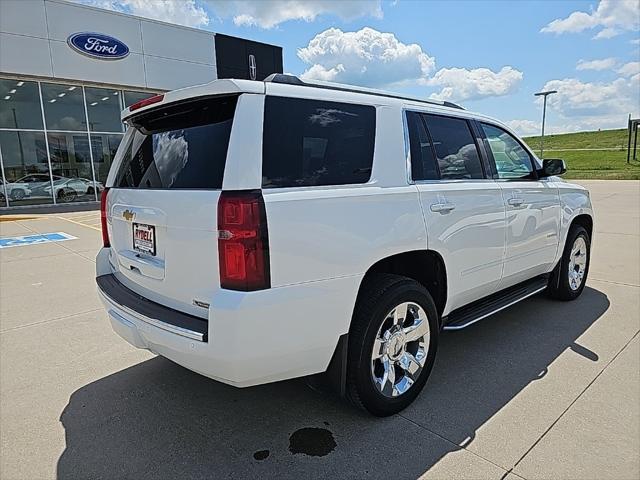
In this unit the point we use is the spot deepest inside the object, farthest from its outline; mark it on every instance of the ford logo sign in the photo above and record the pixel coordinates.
(97, 45)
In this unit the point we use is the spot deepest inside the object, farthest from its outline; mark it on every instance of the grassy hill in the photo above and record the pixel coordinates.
(584, 159)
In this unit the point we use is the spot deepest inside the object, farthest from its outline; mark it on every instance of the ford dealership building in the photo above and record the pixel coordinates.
(66, 72)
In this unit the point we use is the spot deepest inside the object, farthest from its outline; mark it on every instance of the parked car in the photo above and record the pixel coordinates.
(69, 189)
(38, 183)
(261, 231)
(14, 190)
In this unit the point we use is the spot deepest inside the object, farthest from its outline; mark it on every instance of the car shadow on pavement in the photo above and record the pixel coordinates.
(159, 420)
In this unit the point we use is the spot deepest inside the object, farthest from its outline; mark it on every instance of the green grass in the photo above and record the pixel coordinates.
(591, 164)
(601, 139)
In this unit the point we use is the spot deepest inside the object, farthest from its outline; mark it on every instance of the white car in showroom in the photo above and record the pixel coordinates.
(70, 189)
(260, 231)
(14, 190)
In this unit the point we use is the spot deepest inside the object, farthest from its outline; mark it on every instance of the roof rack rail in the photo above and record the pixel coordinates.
(293, 80)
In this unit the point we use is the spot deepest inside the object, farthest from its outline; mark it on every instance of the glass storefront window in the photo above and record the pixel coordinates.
(131, 97)
(71, 167)
(26, 171)
(20, 105)
(103, 107)
(63, 107)
(74, 132)
(104, 149)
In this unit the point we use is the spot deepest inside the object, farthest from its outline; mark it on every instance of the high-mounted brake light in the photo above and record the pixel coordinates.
(146, 101)
(103, 218)
(243, 241)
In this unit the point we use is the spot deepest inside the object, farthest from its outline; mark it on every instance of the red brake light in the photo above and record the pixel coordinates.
(146, 101)
(103, 217)
(243, 241)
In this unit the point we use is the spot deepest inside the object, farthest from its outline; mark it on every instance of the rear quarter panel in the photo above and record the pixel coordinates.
(323, 233)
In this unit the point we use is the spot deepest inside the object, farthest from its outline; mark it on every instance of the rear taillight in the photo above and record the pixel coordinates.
(243, 242)
(146, 101)
(103, 218)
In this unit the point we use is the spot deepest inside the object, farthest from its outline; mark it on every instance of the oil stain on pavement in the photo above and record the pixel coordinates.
(315, 442)
(261, 454)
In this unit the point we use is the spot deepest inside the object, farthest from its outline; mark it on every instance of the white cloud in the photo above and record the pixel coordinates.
(271, 13)
(580, 106)
(184, 12)
(585, 98)
(591, 106)
(525, 128)
(601, 64)
(261, 13)
(376, 59)
(612, 16)
(366, 57)
(635, 41)
(629, 69)
(461, 84)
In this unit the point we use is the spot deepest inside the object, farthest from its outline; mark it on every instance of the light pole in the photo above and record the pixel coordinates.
(544, 114)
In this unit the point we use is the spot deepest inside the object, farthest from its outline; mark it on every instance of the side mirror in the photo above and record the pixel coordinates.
(551, 167)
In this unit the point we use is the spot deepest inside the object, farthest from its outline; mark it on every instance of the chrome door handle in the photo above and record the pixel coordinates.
(442, 207)
(515, 202)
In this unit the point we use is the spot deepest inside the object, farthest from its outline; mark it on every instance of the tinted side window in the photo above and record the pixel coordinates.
(312, 142)
(455, 146)
(512, 161)
(423, 162)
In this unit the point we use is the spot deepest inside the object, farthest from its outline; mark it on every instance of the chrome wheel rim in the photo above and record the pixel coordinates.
(400, 349)
(577, 263)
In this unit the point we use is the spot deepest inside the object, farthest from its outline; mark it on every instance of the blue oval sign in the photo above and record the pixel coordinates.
(98, 45)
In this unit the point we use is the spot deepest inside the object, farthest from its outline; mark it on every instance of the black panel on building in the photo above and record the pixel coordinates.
(240, 58)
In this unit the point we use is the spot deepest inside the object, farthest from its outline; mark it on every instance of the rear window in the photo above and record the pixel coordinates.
(455, 147)
(313, 143)
(180, 146)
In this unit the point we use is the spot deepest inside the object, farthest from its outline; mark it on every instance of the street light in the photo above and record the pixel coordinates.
(544, 114)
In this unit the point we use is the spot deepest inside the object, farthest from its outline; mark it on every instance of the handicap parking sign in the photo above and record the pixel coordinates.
(25, 240)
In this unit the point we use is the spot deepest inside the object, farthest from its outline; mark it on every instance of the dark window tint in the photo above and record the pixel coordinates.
(455, 148)
(423, 163)
(178, 146)
(511, 159)
(20, 105)
(310, 142)
(103, 107)
(63, 107)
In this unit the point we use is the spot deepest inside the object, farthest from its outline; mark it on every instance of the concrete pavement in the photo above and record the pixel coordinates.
(542, 390)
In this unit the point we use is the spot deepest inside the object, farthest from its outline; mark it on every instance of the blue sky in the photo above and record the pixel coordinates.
(490, 56)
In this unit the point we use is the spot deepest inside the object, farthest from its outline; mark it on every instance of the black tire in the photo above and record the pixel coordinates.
(380, 294)
(17, 194)
(559, 285)
(66, 196)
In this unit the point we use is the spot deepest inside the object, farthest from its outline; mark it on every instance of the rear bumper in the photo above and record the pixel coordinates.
(253, 337)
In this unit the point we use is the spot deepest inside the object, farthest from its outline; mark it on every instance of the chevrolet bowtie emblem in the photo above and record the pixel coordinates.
(128, 215)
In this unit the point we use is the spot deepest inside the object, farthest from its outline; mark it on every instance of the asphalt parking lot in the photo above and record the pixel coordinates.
(544, 390)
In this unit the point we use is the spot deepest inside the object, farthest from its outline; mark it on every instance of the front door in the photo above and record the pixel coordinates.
(532, 207)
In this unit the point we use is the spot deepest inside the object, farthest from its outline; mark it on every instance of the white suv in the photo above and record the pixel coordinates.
(260, 231)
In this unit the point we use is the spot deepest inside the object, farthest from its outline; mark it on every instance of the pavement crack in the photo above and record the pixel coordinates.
(615, 283)
(458, 447)
(19, 327)
(574, 401)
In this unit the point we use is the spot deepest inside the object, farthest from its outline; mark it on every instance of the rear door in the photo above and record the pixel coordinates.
(463, 209)
(162, 201)
(532, 206)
